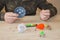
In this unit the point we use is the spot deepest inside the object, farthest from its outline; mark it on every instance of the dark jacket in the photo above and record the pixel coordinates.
(30, 6)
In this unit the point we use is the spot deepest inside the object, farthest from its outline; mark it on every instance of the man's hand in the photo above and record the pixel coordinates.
(10, 17)
(45, 14)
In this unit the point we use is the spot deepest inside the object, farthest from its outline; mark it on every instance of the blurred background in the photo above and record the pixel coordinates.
(56, 18)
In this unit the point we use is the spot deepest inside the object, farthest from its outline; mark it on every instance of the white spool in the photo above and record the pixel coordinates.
(21, 27)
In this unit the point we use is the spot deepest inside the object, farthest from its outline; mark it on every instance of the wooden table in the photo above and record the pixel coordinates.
(10, 32)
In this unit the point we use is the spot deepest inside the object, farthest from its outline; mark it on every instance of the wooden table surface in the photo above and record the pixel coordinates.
(10, 32)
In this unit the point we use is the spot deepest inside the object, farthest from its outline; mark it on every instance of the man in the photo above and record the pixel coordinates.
(47, 9)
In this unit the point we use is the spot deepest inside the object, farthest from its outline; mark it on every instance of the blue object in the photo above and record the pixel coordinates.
(21, 11)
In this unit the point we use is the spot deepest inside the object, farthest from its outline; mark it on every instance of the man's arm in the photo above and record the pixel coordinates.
(43, 4)
(2, 3)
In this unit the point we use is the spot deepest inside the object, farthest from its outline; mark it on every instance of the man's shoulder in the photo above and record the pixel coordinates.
(2, 1)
